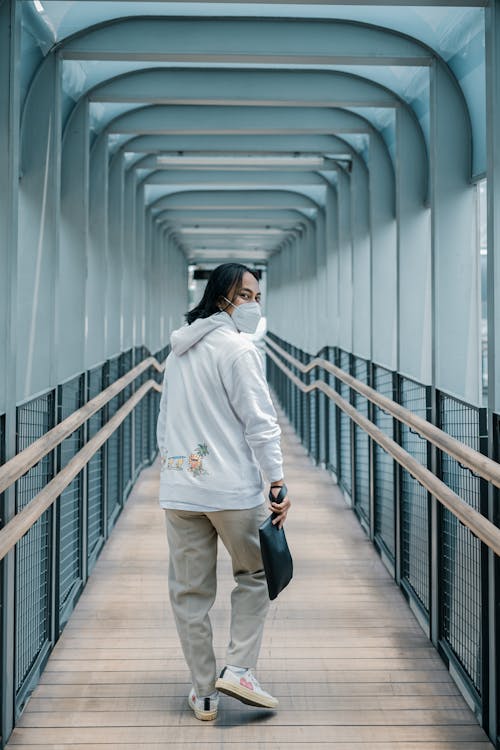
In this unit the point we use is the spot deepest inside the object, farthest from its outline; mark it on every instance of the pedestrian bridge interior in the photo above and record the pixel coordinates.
(350, 153)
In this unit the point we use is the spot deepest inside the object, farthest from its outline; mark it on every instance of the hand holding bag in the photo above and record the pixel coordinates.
(276, 556)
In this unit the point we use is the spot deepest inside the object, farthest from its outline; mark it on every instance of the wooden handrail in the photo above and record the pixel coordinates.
(21, 462)
(482, 465)
(24, 520)
(474, 521)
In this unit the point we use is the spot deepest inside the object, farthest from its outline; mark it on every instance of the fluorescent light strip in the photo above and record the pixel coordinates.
(38, 5)
(242, 161)
(251, 231)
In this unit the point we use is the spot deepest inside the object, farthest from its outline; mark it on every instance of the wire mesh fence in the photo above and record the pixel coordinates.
(345, 427)
(361, 371)
(33, 553)
(125, 365)
(96, 528)
(426, 552)
(113, 447)
(312, 401)
(460, 550)
(322, 416)
(53, 559)
(332, 412)
(415, 537)
(70, 397)
(138, 414)
(384, 486)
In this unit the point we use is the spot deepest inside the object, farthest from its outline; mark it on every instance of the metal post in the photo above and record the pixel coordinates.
(337, 417)
(96, 310)
(486, 569)
(326, 408)
(435, 531)
(398, 516)
(492, 38)
(371, 448)
(71, 268)
(10, 44)
(317, 398)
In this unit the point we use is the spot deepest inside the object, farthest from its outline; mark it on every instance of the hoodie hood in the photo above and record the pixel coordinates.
(188, 335)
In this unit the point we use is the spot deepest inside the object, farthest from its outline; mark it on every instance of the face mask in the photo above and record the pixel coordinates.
(246, 316)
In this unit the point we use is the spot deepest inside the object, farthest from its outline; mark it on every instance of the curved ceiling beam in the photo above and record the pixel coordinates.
(332, 119)
(271, 88)
(256, 200)
(280, 219)
(179, 119)
(193, 161)
(254, 41)
(249, 41)
(249, 120)
(245, 87)
(219, 179)
(289, 221)
(285, 143)
(332, 145)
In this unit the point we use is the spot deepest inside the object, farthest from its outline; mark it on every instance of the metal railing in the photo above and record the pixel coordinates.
(80, 448)
(412, 463)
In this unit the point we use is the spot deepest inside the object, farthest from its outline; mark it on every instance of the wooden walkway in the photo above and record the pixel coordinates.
(342, 650)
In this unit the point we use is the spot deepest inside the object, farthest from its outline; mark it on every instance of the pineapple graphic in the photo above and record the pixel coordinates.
(195, 460)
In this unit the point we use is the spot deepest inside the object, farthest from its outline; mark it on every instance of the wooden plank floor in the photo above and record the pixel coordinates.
(341, 650)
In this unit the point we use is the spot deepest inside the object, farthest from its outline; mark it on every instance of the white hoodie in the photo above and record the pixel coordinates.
(217, 428)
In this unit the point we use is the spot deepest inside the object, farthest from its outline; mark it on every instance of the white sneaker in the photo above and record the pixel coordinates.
(245, 687)
(205, 709)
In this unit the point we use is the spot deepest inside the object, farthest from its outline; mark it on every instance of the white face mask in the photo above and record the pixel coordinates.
(246, 316)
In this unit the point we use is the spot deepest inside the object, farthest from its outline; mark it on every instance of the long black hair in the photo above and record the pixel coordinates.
(220, 282)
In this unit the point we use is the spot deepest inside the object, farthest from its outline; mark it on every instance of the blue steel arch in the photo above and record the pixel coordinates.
(354, 81)
(416, 50)
(91, 31)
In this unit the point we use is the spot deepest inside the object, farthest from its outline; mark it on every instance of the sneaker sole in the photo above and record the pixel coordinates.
(245, 695)
(203, 715)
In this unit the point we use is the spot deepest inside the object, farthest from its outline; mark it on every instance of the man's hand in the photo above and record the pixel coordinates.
(281, 509)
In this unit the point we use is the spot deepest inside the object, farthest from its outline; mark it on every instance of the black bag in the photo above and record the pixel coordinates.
(276, 556)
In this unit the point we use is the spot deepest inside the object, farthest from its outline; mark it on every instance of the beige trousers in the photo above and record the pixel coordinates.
(192, 539)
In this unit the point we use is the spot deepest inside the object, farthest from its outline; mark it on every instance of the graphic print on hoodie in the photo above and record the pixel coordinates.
(217, 429)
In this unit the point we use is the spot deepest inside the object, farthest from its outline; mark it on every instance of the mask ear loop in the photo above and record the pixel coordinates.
(223, 309)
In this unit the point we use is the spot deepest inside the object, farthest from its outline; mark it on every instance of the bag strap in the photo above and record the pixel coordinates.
(280, 496)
